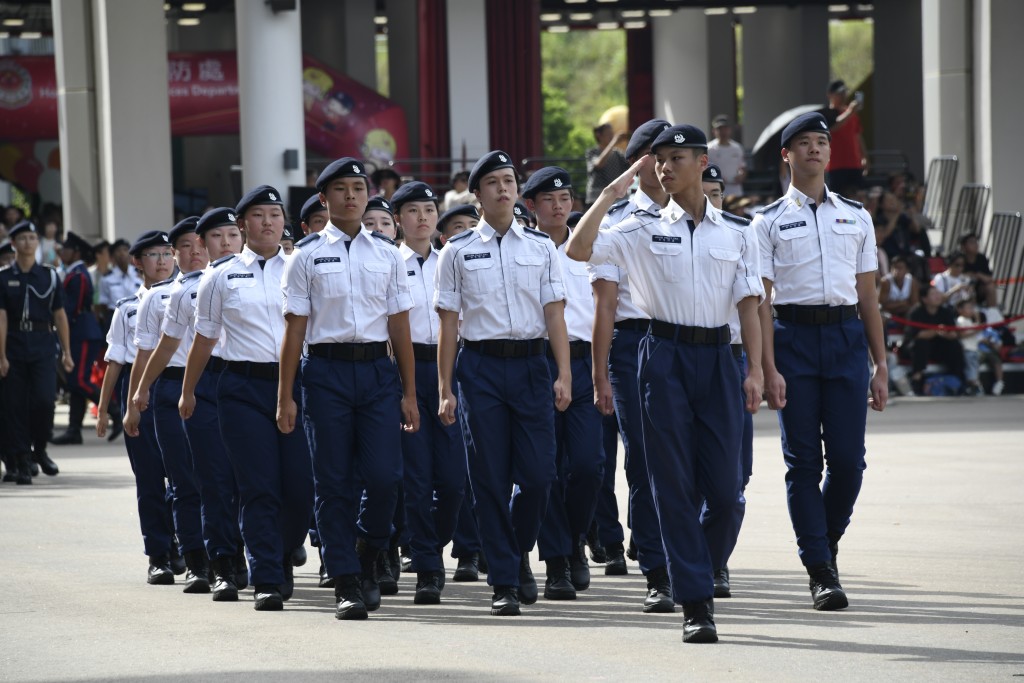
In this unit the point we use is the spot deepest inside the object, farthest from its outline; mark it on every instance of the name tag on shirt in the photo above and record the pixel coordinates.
(132, 313)
(326, 259)
(473, 257)
(165, 296)
(787, 226)
(193, 295)
(13, 283)
(232, 276)
(411, 272)
(847, 221)
(667, 239)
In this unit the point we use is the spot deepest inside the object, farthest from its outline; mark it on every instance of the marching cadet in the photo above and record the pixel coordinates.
(819, 260)
(86, 337)
(241, 301)
(506, 282)
(122, 281)
(150, 253)
(619, 327)
(521, 212)
(31, 305)
(580, 456)
(186, 503)
(688, 270)
(721, 547)
(434, 458)
(457, 220)
(313, 215)
(346, 294)
(218, 234)
(380, 217)
(287, 239)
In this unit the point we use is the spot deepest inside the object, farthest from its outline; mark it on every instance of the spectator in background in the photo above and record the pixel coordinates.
(849, 160)
(99, 268)
(386, 180)
(977, 268)
(900, 233)
(929, 344)
(979, 346)
(12, 216)
(605, 162)
(728, 155)
(48, 244)
(459, 194)
(899, 292)
(954, 284)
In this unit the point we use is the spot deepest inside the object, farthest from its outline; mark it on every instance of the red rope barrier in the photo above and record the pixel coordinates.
(930, 326)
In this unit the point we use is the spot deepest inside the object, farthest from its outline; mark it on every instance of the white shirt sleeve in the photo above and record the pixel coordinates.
(448, 280)
(762, 229)
(552, 288)
(147, 328)
(209, 305)
(295, 286)
(399, 296)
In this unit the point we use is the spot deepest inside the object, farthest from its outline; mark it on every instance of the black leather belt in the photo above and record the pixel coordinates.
(350, 351)
(634, 324)
(173, 373)
(425, 352)
(737, 350)
(254, 370)
(216, 364)
(814, 315)
(507, 348)
(577, 349)
(691, 335)
(33, 326)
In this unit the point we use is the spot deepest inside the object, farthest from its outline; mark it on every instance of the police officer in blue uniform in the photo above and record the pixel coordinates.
(819, 261)
(346, 294)
(31, 306)
(688, 270)
(150, 254)
(241, 299)
(506, 282)
(619, 327)
(86, 337)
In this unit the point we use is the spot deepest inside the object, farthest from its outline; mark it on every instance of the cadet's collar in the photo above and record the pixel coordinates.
(333, 233)
(248, 256)
(799, 199)
(645, 203)
(406, 251)
(141, 290)
(487, 232)
(673, 212)
(77, 263)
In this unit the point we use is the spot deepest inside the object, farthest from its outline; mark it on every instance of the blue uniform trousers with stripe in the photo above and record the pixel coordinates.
(466, 537)
(177, 457)
(609, 530)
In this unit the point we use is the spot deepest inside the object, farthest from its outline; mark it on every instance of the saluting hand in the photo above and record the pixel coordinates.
(286, 413)
(186, 405)
(446, 409)
(620, 186)
(603, 396)
(563, 393)
(775, 390)
(410, 415)
(66, 361)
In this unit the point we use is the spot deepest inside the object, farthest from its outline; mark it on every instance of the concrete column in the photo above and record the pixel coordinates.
(270, 95)
(948, 83)
(134, 117)
(341, 34)
(76, 116)
(403, 55)
(999, 143)
(785, 63)
(467, 80)
(898, 106)
(722, 69)
(681, 68)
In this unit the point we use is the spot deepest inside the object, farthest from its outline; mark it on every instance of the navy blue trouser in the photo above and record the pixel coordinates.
(466, 537)
(434, 460)
(580, 466)
(606, 514)
(692, 427)
(150, 484)
(272, 470)
(623, 367)
(85, 353)
(827, 375)
(27, 397)
(212, 470)
(177, 457)
(353, 418)
(721, 548)
(508, 423)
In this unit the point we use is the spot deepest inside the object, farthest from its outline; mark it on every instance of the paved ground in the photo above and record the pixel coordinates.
(933, 565)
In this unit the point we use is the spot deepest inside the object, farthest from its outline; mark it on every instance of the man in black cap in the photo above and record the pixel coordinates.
(31, 305)
(86, 337)
(818, 260)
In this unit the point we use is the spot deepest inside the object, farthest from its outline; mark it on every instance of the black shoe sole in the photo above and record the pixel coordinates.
(581, 586)
(616, 569)
(506, 611)
(528, 599)
(355, 612)
(559, 595)
(388, 587)
(326, 582)
(466, 576)
(661, 607)
(703, 634)
(723, 592)
(226, 595)
(271, 603)
(199, 586)
(162, 580)
(427, 598)
(831, 601)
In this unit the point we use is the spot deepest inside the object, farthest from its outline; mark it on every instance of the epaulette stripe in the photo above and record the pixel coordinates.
(741, 219)
(223, 259)
(460, 236)
(772, 205)
(852, 202)
(536, 233)
(381, 236)
(311, 237)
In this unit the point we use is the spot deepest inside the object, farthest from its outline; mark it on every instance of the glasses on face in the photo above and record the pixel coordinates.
(157, 255)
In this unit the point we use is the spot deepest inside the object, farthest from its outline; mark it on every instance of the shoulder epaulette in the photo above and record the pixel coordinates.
(460, 236)
(190, 276)
(537, 233)
(308, 239)
(47, 265)
(772, 205)
(162, 283)
(126, 299)
(616, 206)
(738, 219)
(222, 260)
(646, 212)
(384, 237)
(855, 204)
(4, 268)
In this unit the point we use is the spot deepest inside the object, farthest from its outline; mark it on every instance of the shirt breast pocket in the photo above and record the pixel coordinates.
(792, 244)
(666, 261)
(375, 277)
(241, 291)
(723, 264)
(528, 270)
(846, 240)
(481, 275)
(330, 280)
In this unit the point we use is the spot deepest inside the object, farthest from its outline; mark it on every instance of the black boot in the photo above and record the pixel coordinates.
(659, 592)
(325, 581)
(428, 588)
(468, 569)
(631, 550)
(616, 564)
(505, 602)
(24, 476)
(349, 598)
(267, 599)
(387, 571)
(10, 469)
(48, 466)
(159, 573)
(579, 570)
(558, 585)
(70, 437)
(699, 622)
(224, 588)
(177, 561)
(241, 569)
(527, 583)
(722, 587)
(597, 551)
(287, 589)
(298, 556)
(833, 546)
(196, 572)
(368, 561)
(828, 595)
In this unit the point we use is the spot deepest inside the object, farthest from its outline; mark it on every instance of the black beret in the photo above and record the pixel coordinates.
(460, 210)
(713, 174)
(644, 135)
(20, 227)
(287, 234)
(488, 163)
(120, 242)
(547, 179)
(74, 242)
(415, 191)
(6, 247)
(346, 167)
(186, 226)
(264, 194)
(378, 203)
(153, 238)
(311, 206)
(803, 123)
(215, 218)
(683, 135)
(520, 211)
(574, 218)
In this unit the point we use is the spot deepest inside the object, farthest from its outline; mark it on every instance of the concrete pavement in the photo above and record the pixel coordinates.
(932, 564)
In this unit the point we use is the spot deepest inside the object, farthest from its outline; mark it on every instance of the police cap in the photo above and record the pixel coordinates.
(20, 227)
(263, 194)
(378, 203)
(683, 135)
(644, 136)
(215, 218)
(460, 210)
(153, 238)
(346, 167)
(488, 163)
(186, 226)
(311, 206)
(713, 174)
(416, 191)
(547, 179)
(811, 121)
